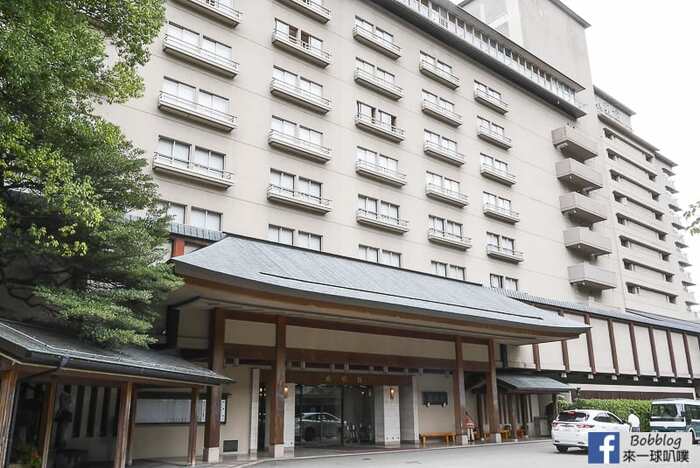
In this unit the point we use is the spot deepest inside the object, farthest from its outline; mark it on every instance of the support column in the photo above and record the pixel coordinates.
(555, 406)
(254, 410)
(492, 396)
(289, 407)
(408, 412)
(276, 394)
(192, 433)
(212, 427)
(387, 417)
(8, 386)
(132, 428)
(459, 397)
(513, 407)
(124, 411)
(46, 425)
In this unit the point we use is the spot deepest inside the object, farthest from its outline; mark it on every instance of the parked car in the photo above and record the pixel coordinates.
(318, 426)
(676, 415)
(570, 428)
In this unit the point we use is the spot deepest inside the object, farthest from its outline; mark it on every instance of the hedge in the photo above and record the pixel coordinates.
(620, 408)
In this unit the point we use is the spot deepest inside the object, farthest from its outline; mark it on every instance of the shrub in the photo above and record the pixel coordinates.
(620, 408)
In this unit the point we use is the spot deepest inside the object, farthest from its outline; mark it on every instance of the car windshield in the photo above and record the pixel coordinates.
(572, 416)
(665, 411)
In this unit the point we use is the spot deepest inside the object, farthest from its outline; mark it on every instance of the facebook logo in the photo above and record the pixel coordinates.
(603, 447)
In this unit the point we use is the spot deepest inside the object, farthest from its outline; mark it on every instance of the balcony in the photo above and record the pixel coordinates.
(220, 10)
(382, 129)
(452, 197)
(499, 175)
(376, 42)
(449, 239)
(299, 147)
(196, 112)
(443, 76)
(387, 223)
(312, 9)
(380, 173)
(192, 171)
(677, 222)
(436, 150)
(194, 53)
(641, 216)
(294, 46)
(582, 209)
(574, 144)
(590, 277)
(681, 243)
(674, 204)
(498, 139)
(493, 102)
(583, 240)
(686, 279)
(501, 213)
(444, 115)
(505, 254)
(690, 300)
(300, 96)
(578, 176)
(297, 199)
(380, 85)
(683, 259)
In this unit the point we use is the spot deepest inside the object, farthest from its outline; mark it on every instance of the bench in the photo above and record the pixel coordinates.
(437, 435)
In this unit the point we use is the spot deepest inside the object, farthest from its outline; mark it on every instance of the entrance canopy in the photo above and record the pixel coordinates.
(528, 384)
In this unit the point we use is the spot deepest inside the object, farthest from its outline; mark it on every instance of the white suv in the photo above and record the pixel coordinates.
(571, 428)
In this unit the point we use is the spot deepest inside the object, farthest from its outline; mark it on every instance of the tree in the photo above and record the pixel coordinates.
(69, 253)
(693, 217)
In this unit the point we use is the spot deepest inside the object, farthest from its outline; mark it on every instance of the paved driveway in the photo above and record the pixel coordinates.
(527, 455)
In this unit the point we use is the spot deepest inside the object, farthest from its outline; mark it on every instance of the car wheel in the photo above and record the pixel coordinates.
(562, 449)
(309, 434)
(693, 439)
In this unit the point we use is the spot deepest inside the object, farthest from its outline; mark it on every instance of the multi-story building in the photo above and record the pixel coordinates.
(467, 142)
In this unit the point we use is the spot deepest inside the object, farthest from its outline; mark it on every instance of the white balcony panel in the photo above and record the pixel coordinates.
(300, 96)
(298, 199)
(190, 170)
(448, 239)
(315, 10)
(376, 42)
(379, 128)
(198, 55)
(220, 10)
(430, 70)
(299, 147)
(196, 112)
(386, 223)
(452, 197)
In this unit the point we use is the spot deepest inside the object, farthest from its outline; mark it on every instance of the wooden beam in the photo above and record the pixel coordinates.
(46, 422)
(492, 393)
(536, 355)
(589, 342)
(654, 354)
(635, 353)
(123, 413)
(480, 414)
(212, 425)
(613, 346)
(671, 353)
(132, 427)
(565, 355)
(8, 386)
(178, 247)
(688, 356)
(278, 381)
(458, 390)
(192, 433)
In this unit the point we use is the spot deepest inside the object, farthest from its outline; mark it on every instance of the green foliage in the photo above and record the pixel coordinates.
(68, 178)
(693, 216)
(620, 408)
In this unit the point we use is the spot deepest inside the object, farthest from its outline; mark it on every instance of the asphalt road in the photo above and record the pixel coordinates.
(528, 455)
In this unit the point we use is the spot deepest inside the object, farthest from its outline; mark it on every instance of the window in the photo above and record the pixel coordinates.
(442, 182)
(457, 272)
(376, 255)
(301, 132)
(297, 186)
(377, 159)
(503, 282)
(494, 201)
(297, 81)
(497, 164)
(439, 268)
(424, 57)
(377, 115)
(438, 101)
(298, 36)
(490, 92)
(378, 209)
(190, 94)
(391, 258)
(180, 154)
(445, 227)
(375, 71)
(173, 408)
(207, 44)
(446, 143)
(309, 241)
(371, 254)
(205, 219)
(366, 25)
(503, 243)
(280, 234)
(490, 127)
(174, 211)
(448, 271)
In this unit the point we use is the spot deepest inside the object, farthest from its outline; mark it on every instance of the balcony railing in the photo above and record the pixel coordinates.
(196, 53)
(442, 152)
(191, 170)
(377, 42)
(504, 253)
(574, 144)
(449, 239)
(498, 139)
(578, 176)
(582, 239)
(444, 194)
(494, 102)
(300, 96)
(196, 111)
(315, 10)
(298, 199)
(388, 223)
(376, 83)
(298, 146)
(376, 126)
(582, 208)
(431, 70)
(380, 173)
(445, 115)
(501, 213)
(301, 49)
(499, 175)
(219, 9)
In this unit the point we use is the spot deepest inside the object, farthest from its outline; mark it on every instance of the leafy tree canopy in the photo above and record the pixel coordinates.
(68, 178)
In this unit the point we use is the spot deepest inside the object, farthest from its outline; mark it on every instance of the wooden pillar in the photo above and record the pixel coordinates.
(654, 354)
(635, 353)
(46, 424)
(276, 395)
(555, 406)
(123, 413)
(480, 415)
(8, 387)
(178, 247)
(671, 353)
(613, 346)
(513, 414)
(132, 427)
(458, 391)
(192, 434)
(492, 395)
(565, 349)
(536, 355)
(212, 426)
(688, 356)
(589, 342)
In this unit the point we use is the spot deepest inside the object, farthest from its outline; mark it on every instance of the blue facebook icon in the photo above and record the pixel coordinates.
(603, 448)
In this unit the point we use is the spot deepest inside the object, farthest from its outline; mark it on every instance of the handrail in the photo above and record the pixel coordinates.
(442, 110)
(198, 50)
(191, 166)
(447, 235)
(378, 168)
(221, 7)
(371, 76)
(300, 92)
(297, 195)
(493, 134)
(378, 123)
(439, 71)
(486, 96)
(446, 191)
(503, 250)
(194, 106)
(382, 217)
(285, 37)
(299, 141)
(377, 38)
(500, 209)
